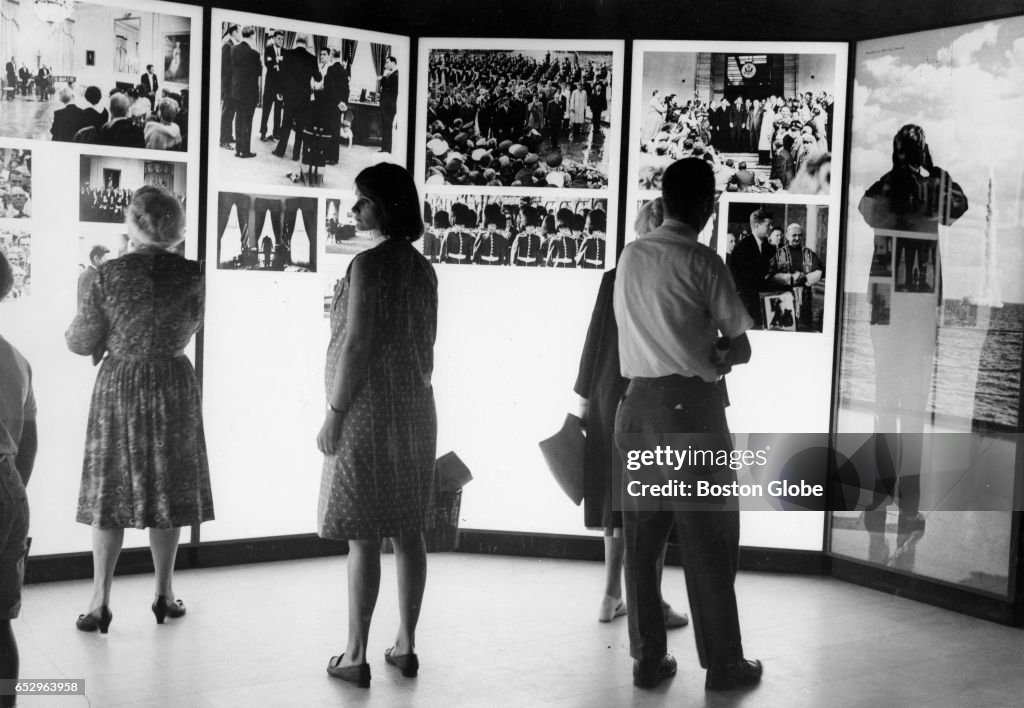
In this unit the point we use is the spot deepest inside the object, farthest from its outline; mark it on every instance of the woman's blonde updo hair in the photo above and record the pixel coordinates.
(158, 216)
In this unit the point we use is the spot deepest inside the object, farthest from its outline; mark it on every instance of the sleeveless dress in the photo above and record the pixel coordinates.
(381, 481)
(145, 452)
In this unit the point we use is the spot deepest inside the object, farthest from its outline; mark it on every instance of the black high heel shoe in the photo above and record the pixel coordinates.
(98, 619)
(162, 608)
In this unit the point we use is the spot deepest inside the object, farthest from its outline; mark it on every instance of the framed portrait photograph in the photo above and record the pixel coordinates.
(176, 57)
(779, 311)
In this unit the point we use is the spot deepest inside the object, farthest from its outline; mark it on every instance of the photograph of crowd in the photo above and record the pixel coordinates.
(519, 118)
(108, 183)
(16, 245)
(763, 121)
(97, 74)
(266, 232)
(778, 248)
(15, 183)
(516, 231)
(305, 108)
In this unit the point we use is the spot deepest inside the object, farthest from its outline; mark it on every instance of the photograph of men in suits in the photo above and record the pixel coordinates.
(299, 69)
(751, 261)
(273, 55)
(388, 101)
(227, 106)
(245, 90)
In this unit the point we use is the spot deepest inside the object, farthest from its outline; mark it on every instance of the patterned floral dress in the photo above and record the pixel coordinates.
(145, 452)
(381, 481)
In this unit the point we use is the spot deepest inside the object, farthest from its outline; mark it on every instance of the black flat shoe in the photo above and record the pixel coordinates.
(162, 608)
(358, 674)
(742, 673)
(648, 673)
(98, 619)
(408, 664)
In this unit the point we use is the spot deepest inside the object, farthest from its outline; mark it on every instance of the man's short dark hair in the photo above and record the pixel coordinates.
(248, 31)
(685, 184)
(149, 67)
(6, 276)
(392, 60)
(97, 251)
(759, 216)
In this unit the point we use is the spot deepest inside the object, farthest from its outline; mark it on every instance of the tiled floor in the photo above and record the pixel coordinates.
(503, 632)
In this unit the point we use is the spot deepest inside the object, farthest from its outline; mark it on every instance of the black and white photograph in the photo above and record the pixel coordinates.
(779, 311)
(108, 183)
(881, 259)
(519, 117)
(508, 230)
(94, 73)
(266, 232)
(15, 183)
(774, 248)
(880, 301)
(340, 235)
(94, 250)
(304, 104)
(916, 265)
(16, 245)
(764, 119)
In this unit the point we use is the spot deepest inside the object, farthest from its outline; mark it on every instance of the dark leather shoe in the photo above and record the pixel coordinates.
(648, 673)
(408, 664)
(246, 154)
(358, 674)
(742, 673)
(278, 153)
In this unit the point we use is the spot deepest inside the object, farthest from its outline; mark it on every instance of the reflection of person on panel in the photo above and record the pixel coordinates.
(912, 200)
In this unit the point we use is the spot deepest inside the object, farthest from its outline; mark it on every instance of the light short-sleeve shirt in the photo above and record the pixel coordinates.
(673, 296)
(17, 401)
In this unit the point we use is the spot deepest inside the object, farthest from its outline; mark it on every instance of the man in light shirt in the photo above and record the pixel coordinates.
(681, 327)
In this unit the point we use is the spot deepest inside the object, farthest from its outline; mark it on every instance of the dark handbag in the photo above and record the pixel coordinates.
(563, 452)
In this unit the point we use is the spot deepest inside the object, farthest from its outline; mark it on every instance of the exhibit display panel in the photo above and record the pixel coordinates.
(517, 160)
(769, 118)
(67, 176)
(298, 109)
(932, 309)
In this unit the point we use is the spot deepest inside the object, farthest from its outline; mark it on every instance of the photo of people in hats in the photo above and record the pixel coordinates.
(519, 118)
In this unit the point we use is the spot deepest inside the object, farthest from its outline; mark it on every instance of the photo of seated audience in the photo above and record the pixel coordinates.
(766, 126)
(266, 232)
(98, 76)
(518, 118)
(507, 230)
(15, 183)
(16, 245)
(777, 253)
(298, 108)
(107, 184)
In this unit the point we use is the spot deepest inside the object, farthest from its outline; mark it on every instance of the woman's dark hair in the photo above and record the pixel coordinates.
(6, 276)
(393, 192)
(93, 95)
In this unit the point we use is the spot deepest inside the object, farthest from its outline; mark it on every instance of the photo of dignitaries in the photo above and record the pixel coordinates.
(518, 118)
(776, 249)
(107, 184)
(16, 245)
(97, 76)
(15, 183)
(764, 122)
(301, 108)
(266, 232)
(507, 230)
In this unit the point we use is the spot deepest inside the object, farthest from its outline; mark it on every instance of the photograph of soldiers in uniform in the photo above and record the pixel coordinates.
(108, 183)
(519, 118)
(16, 245)
(91, 73)
(15, 183)
(772, 249)
(507, 230)
(266, 232)
(763, 121)
(302, 108)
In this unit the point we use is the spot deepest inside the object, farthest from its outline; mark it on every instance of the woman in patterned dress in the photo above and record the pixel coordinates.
(380, 431)
(145, 453)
